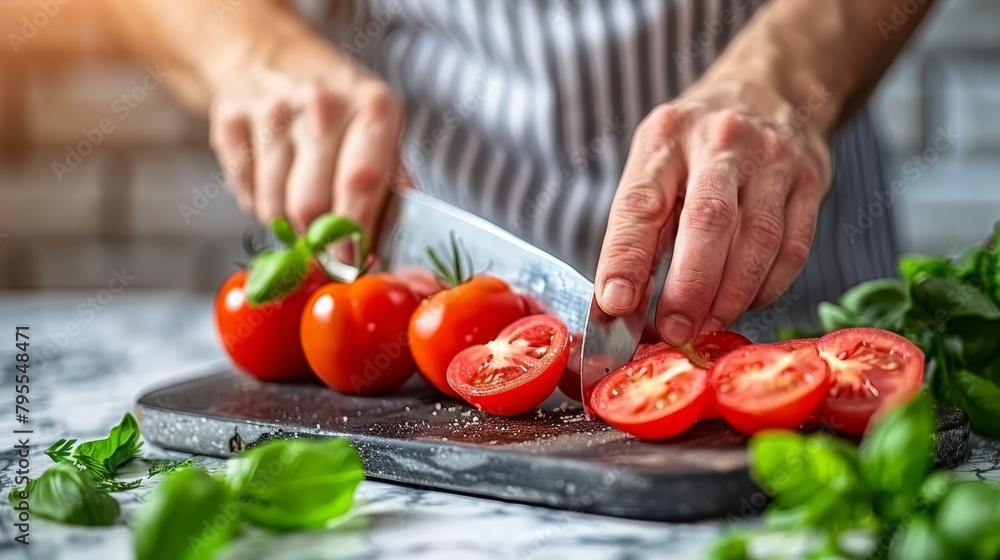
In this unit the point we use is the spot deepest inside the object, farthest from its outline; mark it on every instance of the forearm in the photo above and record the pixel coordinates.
(807, 47)
(199, 43)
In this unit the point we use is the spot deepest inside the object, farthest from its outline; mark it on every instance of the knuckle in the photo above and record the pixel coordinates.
(274, 113)
(380, 102)
(766, 229)
(363, 178)
(627, 255)
(302, 212)
(643, 202)
(665, 119)
(710, 213)
(323, 105)
(228, 120)
(796, 252)
(693, 285)
(777, 147)
(728, 129)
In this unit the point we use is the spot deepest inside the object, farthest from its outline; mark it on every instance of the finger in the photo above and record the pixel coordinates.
(755, 245)
(316, 135)
(643, 203)
(802, 210)
(230, 139)
(369, 154)
(705, 233)
(272, 160)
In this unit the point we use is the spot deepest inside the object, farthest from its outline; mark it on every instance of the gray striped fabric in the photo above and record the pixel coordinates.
(522, 112)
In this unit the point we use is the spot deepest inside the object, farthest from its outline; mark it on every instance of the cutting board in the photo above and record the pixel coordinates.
(553, 456)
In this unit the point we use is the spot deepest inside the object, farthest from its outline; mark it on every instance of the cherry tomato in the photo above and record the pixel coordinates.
(448, 322)
(516, 371)
(872, 369)
(354, 335)
(263, 341)
(763, 386)
(657, 396)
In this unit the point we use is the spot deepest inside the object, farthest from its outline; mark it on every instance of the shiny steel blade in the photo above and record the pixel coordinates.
(415, 221)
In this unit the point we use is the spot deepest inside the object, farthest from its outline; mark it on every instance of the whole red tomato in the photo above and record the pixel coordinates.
(473, 312)
(263, 341)
(354, 335)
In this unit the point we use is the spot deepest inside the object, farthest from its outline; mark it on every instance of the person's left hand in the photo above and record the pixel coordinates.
(730, 178)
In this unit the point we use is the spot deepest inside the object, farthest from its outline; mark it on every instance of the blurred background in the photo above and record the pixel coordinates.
(100, 169)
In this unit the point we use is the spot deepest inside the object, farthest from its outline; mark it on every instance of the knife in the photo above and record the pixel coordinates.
(414, 221)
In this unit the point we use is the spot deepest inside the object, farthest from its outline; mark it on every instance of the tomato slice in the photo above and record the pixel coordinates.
(517, 370)
(796, 343)
(763, 386)
(872, 369)
(657, 396)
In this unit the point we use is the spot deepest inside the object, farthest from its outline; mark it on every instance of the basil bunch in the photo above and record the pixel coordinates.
(832, 500)
(950, 308)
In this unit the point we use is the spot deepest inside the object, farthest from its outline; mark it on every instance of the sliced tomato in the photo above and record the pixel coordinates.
(872, 369)
(796, 343)
(570, 383)
(517, 370)
(717, 344)
(657, 396)
(763, 386)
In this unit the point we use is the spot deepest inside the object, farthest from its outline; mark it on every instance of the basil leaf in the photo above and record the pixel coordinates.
(66, 494)
(60, 450)
(969, 517)
(295, 484)
(919, 541)
(834, 317)
(189, 516)
(103, 457)
(896, 456)
(275, 274)
(947, 298)
(978, 397)
(733, 546)
(166, 466)
(793, 468)
(283, 231)
(880, 303)
(914, 268)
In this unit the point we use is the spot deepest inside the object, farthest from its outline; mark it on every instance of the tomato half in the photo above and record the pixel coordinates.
(450, 321)
(872, 369)
(657, 396)
(796, 343)
(263, 341)
(763, 386)
(516, 371)
(354, 335)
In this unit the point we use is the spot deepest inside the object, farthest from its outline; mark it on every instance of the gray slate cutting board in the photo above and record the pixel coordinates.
(553, 457)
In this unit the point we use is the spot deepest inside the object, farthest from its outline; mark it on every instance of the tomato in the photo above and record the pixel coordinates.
(473, 312)
(354, 335)
(263, 341)
(570, 383)
(657, 396)
(796, 343)
(763, 386)
(516, 371)
(872, 369)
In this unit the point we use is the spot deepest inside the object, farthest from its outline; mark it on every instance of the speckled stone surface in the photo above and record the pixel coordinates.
(92, 376)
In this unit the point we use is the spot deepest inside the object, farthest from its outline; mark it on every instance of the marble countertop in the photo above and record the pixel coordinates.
(91, 361)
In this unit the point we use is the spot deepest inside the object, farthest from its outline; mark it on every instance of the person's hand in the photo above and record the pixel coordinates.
(301, 131)
(730, 178)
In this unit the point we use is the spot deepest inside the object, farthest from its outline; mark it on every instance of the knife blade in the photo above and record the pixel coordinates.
(414, 221)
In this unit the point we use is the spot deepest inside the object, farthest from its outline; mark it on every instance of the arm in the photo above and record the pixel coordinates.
(731, 174)
(298, 128)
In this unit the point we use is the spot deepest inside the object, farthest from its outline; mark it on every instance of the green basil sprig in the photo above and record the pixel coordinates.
(68, 495)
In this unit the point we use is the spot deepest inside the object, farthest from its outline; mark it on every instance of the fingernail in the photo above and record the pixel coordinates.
(618, 293)
(713, 325)
(676, 329)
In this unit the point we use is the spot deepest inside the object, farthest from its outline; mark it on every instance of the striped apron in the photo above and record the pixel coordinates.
(522, 111)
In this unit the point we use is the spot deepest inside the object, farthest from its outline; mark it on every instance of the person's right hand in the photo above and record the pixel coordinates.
(302, 131)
